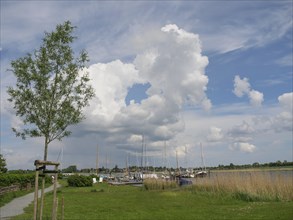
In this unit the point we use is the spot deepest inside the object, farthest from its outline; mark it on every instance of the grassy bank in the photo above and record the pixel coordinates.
(200, 201)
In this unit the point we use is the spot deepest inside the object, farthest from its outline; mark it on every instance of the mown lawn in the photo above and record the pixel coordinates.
(128, 202)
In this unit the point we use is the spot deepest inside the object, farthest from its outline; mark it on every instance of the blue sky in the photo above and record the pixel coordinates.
(181, 72)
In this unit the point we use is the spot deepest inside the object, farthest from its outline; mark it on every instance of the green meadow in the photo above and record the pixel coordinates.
(219, 198)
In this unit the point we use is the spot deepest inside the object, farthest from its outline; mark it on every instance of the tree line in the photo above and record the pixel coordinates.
(116, 169)
(278, 163)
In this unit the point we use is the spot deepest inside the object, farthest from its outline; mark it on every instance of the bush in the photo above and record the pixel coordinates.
(16, 179)
(79, 181)
(8, 179)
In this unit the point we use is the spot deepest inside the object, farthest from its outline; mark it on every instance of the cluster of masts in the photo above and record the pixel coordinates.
(144, 162)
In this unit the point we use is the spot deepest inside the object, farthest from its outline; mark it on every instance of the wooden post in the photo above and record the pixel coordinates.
(55, 194)
(42, 197)
(56, 209)
(36, 194)
(62, 208)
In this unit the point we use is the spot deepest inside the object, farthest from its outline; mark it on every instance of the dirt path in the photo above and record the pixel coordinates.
(16, 206)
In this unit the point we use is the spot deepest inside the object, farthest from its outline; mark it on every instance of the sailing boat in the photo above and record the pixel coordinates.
(202, 172)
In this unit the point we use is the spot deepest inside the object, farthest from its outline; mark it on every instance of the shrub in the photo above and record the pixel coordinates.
(79, 181)
(16, 179)
(8, 179)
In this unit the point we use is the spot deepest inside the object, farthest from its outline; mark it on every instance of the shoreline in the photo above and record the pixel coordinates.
(253, 169)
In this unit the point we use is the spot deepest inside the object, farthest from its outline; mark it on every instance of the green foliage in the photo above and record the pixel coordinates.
(79, 181)
(70, 169)
(278, 163)
(8, 179)
(19, 171)
(16, 179)
(3, 168)
(51, 88)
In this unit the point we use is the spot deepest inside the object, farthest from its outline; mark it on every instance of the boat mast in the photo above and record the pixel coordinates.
(142, 151)
(178, 170)
(202, 157)
(145, 157)
(106, 162)
(165, 156)
(185, 158)
(60, 156)
(97, 160)
(62, 151)
(127, 164)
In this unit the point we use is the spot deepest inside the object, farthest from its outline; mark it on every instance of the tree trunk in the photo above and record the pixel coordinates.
(46, 148)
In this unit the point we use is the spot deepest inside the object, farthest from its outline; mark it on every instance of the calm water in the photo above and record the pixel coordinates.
(272, 173)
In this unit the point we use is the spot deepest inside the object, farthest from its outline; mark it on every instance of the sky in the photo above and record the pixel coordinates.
(175, 75)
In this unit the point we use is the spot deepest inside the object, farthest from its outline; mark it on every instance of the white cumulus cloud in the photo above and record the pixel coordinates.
(284, 120)
(286, 101)
(242, 87)
(174, 68)
(215, 134)
(110, 82)
(243, 147)
(255, 98)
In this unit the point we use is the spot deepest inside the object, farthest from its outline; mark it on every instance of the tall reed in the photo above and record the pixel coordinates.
(249, 186)
(159, 184)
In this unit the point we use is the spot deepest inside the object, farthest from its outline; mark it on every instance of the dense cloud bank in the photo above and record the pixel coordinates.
(173, 66)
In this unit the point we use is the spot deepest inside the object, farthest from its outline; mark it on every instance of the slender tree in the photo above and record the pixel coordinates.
(51, 88)
(3, 168)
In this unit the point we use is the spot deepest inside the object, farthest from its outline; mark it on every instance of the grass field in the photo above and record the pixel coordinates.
(200, 201)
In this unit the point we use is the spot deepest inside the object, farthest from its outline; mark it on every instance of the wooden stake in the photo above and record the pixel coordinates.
(55, 195)
(56, 209)
(42, 197)
(62, 208)
(36, 195)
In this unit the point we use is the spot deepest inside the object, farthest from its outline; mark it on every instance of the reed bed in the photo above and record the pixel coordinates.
(159, 184)
(249, 186)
